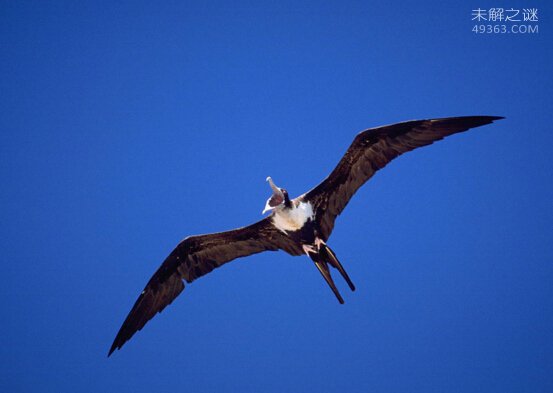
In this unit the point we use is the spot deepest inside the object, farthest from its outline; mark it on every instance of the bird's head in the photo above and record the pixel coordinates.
(278, 199)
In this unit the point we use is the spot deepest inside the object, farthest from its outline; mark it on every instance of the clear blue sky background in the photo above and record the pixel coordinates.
(127, 126)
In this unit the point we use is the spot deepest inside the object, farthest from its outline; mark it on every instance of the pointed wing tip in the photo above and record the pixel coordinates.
(114, 346)
(494, 118)
(464, 123)
(483, 120)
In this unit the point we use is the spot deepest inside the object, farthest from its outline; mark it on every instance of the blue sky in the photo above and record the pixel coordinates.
(126, 127)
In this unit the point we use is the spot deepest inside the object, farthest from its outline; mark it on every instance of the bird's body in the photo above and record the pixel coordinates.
(294, 218)
(299, 226)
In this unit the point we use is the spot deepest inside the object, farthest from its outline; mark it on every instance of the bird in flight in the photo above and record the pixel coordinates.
(299, 226)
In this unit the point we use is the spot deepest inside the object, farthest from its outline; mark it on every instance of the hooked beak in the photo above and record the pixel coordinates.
(275, 189)
(277, 195)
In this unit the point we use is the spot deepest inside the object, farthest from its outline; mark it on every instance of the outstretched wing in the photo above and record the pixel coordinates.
(370, 151)
(194, 257)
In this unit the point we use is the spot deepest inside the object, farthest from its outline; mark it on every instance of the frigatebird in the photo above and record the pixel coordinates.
(297, 226)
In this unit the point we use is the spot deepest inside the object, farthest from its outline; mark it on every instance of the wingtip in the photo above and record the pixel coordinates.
(483, 120)
(468, 121)
(490, 119)
(114, 347)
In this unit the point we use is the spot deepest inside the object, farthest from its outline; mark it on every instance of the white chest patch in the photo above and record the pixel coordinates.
(287, 220)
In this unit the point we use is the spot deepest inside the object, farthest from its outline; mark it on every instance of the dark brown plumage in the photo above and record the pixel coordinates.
(196, 256)
(373, 149)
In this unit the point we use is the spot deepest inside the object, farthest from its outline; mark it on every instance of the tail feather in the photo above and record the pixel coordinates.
(324, 257)
(323, 269)
(328, 255)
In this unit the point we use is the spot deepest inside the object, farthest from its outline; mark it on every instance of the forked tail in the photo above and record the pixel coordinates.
(323, 257)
